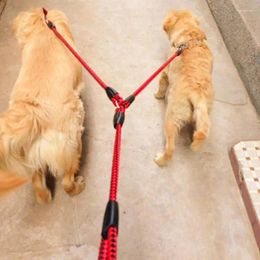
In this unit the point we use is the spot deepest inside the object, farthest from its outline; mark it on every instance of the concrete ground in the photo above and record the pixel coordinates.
(191, 209)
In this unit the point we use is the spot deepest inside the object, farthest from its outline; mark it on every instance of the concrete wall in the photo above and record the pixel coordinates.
(239, 23)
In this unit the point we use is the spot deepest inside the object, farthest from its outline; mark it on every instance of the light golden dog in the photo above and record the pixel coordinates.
(41, 130)
(187, 82)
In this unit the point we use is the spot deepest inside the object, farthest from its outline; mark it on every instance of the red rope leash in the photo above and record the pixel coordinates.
(155, 74)
(115, 164)
(77, 56)
(103, 249)
(108, 245)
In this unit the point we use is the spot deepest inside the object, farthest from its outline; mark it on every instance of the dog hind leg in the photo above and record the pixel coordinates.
(42, 193)
(202, 124)
(72, 184)
(171, 131)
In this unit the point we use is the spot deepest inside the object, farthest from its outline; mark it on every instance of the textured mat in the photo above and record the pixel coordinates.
(245, 159)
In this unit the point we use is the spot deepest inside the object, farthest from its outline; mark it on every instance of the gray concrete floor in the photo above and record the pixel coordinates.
(191, 209)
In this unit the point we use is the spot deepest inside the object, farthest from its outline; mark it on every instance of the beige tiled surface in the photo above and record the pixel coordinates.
(190, 210)
(248, 156)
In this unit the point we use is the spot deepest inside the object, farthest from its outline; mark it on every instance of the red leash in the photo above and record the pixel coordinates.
(108, 245)
(84, 64)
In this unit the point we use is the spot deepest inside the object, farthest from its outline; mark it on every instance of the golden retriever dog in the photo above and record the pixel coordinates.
(41, 130)
(186, 82)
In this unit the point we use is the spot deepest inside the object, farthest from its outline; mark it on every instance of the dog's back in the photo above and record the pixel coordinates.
(44, 101)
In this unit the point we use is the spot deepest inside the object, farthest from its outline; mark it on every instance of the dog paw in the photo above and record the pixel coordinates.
(157, 95)
(79, 184)
(80, 180)
(43, 196)
(195, 145)
(198, 139)
(160, 160)
(76, 187)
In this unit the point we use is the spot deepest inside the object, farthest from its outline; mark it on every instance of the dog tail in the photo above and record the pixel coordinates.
(10, 181)
(201, 120)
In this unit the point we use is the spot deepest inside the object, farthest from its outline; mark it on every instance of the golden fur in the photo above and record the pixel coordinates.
(42, 127)
(187, 82)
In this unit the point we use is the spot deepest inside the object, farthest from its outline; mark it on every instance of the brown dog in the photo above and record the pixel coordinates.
(41, 130)
(187, 81)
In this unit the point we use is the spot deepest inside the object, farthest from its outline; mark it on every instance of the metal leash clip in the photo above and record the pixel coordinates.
(181, 47)
(49, 23)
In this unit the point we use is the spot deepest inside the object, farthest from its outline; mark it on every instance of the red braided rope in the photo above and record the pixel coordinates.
(108, 247)
(115, 164)
(155, 74)
(97, 78)
(103, 250)
(84, 64)
(112, 243)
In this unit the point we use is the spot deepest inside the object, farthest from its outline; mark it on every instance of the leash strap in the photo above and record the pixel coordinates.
(108, 245)
(74, 52)
(155, 74)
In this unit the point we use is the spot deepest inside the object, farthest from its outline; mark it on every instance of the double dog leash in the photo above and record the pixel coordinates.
(109, 234)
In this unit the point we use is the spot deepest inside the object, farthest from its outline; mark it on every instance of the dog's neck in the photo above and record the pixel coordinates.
(188, 44)
(188, 37)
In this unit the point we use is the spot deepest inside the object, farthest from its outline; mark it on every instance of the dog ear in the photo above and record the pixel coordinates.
(166, 26)
(169, 21)
(25, 23)
(22, 27)
(174, 16)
